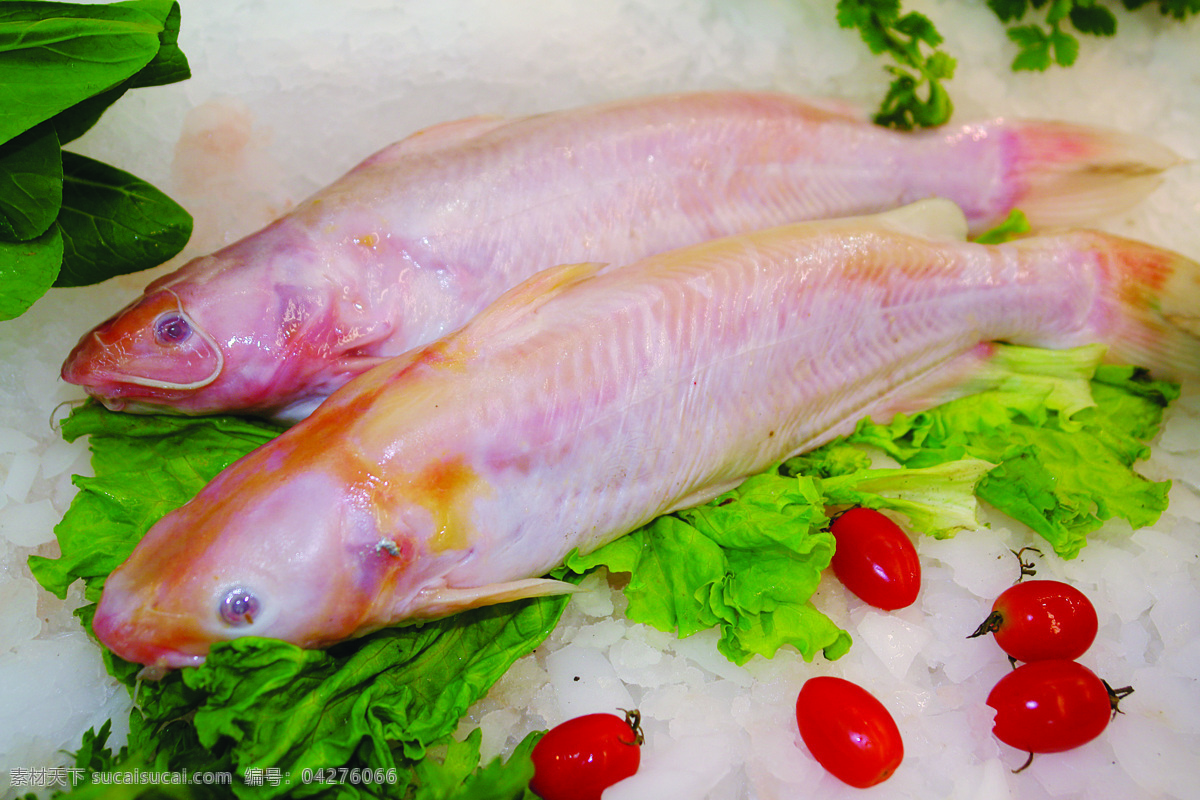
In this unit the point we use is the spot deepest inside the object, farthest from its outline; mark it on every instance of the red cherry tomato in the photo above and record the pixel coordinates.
(848, 731)
(875, 559)
(1040, 620)
(1051, 706)
(582, 757)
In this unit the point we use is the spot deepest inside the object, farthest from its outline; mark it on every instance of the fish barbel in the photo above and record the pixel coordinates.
(587, 401)
(415, 240)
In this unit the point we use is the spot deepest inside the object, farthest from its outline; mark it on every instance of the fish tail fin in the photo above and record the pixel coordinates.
(1065, 173)
(1150, 308)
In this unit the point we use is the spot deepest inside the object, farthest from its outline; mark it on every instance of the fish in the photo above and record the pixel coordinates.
(589, 400)
(421, 236)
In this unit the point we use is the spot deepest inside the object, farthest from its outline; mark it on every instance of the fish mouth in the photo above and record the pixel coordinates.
(125, 359)
(138, 634)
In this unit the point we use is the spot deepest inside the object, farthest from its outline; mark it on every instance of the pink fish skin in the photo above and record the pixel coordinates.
(422, 235)
(586, 402)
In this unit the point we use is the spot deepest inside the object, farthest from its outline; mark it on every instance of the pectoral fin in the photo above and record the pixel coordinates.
(521, 302)
(450, 600)
(352, 365)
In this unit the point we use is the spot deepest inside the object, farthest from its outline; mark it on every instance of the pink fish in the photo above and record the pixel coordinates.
(587, 401)
(419, 237)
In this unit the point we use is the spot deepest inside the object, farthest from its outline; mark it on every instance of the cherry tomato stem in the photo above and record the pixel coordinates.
(1040, 620)
(1028, 568)
(1051, 706)
(582, 757)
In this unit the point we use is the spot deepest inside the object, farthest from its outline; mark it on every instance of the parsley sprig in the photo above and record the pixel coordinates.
(1042, 45)
(916, 96)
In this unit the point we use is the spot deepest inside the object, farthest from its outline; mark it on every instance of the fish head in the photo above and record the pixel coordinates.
(295, 558)
(154, 352)
(252, 328)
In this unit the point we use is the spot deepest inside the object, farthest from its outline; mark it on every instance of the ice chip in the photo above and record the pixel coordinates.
(29, 525)
(585, 683)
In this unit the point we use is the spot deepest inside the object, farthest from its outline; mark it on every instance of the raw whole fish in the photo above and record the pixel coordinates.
(587, 401)
(422, 235)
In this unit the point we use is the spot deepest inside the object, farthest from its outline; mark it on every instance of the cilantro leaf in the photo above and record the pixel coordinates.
(1066, 46)
(1041, 45)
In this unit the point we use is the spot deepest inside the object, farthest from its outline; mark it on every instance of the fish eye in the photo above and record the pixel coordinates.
(171, 328)
(239, 607)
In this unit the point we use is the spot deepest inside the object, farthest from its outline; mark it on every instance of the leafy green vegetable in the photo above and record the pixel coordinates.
(452, 778)
(1061, 469)
(1040, 46)
(27, 271)
(376, 702)
(259, 706)
(113, 223)
(145, 466)
(938, 501)
(916, 97)
(451, 770)
(61, 66)
(58, 54)
(1179, 9)
(1037, 46)
(30, 183)
(1016, 224)
(402, 688)
(748, 562)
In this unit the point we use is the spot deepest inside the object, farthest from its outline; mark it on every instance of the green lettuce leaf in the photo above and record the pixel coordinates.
(145, 466)
(747, 562)
(1064, 459)
(377, 703)
(1016, 224)
(750, 560)
(454, 776)
(938, 501)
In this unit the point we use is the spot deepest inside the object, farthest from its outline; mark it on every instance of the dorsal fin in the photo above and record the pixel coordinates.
(437, 137)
